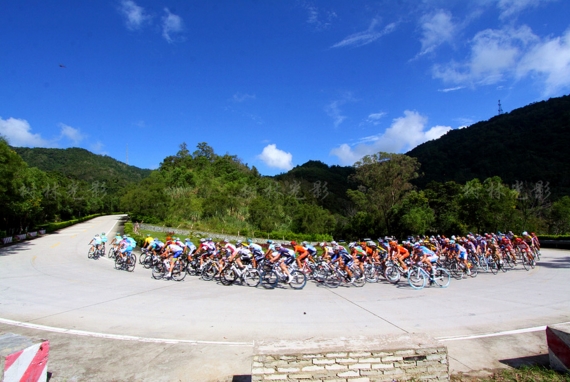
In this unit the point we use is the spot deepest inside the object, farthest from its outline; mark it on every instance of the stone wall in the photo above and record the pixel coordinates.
(392, 358)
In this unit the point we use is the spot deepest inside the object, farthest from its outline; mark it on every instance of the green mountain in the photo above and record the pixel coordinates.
(83, 165)
(326, 185)
(526, 146)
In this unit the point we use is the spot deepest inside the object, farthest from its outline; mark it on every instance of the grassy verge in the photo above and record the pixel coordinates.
(522, 374)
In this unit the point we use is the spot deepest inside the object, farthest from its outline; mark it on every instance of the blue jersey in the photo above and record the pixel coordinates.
(426, 251)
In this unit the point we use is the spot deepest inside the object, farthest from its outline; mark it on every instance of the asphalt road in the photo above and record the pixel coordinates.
(105, 324)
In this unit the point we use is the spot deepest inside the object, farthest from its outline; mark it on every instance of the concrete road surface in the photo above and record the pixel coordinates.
(105, 324)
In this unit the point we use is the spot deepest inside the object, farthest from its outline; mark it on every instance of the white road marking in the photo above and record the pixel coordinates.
(496, 334)
(117, 336)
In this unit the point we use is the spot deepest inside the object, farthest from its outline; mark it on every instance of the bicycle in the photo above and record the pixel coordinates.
(247, 275)
(338, 276)
(160, 270)
(127, 263)
(112, 252)
(273, 275)
(418, 277)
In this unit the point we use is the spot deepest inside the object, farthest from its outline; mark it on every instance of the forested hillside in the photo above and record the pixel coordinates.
(529, 144)
(83, 165)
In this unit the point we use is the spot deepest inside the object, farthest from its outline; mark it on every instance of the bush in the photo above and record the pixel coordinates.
(54, 226)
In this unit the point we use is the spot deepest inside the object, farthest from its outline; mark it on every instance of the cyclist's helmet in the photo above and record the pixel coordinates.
(103, 234)
(417, 246)
(322, 244)
(249, 241)
(269, 241)
(293, 243)
(305, 243)
(202, 240)
(334, 243)
(351, 245)
(525, 233)
(393, 243)
(277, 246)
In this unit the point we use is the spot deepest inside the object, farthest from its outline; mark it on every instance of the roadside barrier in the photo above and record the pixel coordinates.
(392, 357)
(22, 360)
(558, 339)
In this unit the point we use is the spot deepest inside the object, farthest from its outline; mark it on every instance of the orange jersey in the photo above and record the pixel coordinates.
(300, 249)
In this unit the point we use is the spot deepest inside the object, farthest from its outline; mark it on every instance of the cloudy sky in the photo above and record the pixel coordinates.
(275, 82)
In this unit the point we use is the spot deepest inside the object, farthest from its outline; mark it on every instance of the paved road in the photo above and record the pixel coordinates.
(49, 284)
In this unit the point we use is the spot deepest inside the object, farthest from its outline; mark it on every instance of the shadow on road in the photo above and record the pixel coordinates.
(539, 360)
(15, 248)
(241, 378)
(561, 262)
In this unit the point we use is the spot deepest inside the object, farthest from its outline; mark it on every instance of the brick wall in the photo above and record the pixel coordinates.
(392, 360)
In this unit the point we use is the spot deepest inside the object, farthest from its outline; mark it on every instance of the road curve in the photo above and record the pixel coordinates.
(50, 283)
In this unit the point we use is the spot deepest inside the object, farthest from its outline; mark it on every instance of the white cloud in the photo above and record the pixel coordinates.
(375, 118)
(97, 148)
(512, 53)
(550, 60)
(241, 97)
(512, 7)
(333, 111)
(71, 133)
(171, 24)
(404, 134)
(320, 20)
(365, 37)
(447, 90)
(19, 133)
(275, 158)
(134, 14)
(437, 28)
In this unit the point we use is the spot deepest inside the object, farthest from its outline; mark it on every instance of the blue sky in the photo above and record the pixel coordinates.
(276, 83)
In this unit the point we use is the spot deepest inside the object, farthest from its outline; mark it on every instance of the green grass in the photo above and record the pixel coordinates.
(522, 374)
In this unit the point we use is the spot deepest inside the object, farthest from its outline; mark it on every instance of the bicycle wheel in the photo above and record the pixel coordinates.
(508, 262)
(472, 270)
(251, 277)
(158, 271)
(193, 268)
(456, 270)
(442, 277)
(371, 274)
(359, 278)
(111, 254)
(525, 262)
(142, 257)
(332, 279)
(392, 274)
(208, 272)
(269, 279)
(298, 279)
(417, 278)
(178, 272)
(119, 262)
(90, 253)
(492, 266)
(228, 276)
(483, 265)
(130, 263)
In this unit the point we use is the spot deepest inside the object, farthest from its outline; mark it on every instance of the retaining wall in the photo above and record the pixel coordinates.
(558, 340)
(392, 358)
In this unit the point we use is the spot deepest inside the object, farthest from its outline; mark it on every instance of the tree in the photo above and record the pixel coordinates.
(560, 216)
(384, 179)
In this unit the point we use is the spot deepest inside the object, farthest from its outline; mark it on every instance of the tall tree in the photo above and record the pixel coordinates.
(384, 179)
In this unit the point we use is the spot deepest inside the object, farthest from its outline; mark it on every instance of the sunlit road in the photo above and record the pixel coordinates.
(205, 331)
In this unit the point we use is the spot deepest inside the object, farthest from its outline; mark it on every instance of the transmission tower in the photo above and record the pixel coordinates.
(500, 108)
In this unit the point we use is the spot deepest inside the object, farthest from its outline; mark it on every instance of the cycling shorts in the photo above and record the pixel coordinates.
(433, 259)
(177, 254)
(463, 255)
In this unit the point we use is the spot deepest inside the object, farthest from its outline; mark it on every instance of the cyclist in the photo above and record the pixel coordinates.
(285, 257)
(173, 251)
(103, 241)
(125, 247)
(345, 261)
(95, 243)
(256, 250)
(523, 246)
(147, 241)
(358, 256)
(398, 252)
(425, 255)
